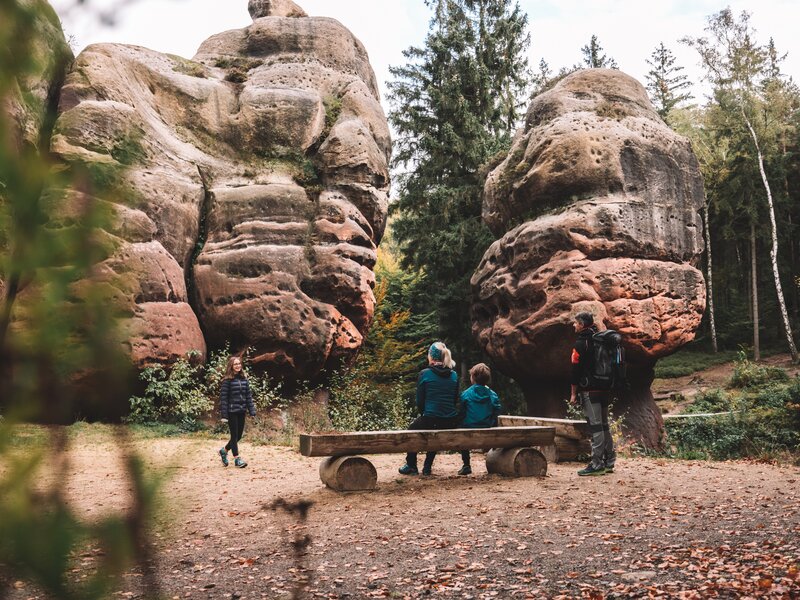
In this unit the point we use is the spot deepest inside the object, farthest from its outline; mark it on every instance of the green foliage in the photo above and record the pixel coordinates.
(455, 104)
(748, 374)
(173, 395)
(665, 82)
(60, 350)
(748, 90)
(188, 67)
(594, 58)
(687, 362)
(761, 423)
(358, 404)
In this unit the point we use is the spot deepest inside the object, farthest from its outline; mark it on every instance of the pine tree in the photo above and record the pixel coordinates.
(593, 57)
(454, 105)
(665, 82)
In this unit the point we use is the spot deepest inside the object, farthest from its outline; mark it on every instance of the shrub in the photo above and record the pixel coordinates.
(174, 396)
(762, 424)
(748, 374)
(359, 405)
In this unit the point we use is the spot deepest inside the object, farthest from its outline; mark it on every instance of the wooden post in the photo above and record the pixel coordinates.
(348, 473)
(516, 462)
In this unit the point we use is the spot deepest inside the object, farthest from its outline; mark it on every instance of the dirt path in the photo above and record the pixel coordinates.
(675, 528)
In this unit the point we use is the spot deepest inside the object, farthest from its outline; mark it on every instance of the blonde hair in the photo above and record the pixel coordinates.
(447, 358)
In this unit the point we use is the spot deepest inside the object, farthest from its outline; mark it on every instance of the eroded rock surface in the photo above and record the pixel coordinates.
(597, 203)
(250, 188)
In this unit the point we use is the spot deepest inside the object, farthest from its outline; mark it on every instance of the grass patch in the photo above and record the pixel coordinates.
(188, 67)
(685, 363)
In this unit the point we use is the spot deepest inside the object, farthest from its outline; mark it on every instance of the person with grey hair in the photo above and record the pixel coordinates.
(437, 402)
(592, 396)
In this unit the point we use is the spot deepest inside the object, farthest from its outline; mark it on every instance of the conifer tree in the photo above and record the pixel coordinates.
(594, 58)
(665, 82)
(454, 104)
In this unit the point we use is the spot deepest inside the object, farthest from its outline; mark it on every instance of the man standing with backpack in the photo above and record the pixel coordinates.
(597, 360)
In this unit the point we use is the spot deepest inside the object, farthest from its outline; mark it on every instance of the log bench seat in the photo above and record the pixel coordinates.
(571, 440)
(512, 451)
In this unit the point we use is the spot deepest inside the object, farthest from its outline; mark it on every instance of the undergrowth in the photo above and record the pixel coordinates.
(760, 418)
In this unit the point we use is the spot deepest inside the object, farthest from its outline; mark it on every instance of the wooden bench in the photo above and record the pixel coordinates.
(571, 440)
(510, 453)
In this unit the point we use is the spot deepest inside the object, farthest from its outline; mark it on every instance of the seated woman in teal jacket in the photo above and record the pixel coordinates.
(437, 401)
(480, 406)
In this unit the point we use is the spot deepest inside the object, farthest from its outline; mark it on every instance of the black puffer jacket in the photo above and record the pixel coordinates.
(235, 396)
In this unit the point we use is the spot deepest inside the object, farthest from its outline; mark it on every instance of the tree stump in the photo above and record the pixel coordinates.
(348, 473)
(516, 462)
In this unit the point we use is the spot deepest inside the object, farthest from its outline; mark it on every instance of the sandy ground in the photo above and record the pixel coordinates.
(662, 528)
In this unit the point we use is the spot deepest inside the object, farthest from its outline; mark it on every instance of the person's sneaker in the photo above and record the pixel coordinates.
(223, 454)
(408, 470)
(426, 471)
(465, 470)
(590, 470)
(240, 462)
(609, 468)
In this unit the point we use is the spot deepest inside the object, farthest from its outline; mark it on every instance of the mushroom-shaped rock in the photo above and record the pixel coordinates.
(597, 204)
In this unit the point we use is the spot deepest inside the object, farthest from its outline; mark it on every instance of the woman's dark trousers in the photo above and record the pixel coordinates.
(425, 422)
(236, 425)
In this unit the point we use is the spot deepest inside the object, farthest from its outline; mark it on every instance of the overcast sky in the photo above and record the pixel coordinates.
(628, 30)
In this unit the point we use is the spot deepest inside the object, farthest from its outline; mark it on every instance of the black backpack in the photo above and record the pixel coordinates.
(608, 361)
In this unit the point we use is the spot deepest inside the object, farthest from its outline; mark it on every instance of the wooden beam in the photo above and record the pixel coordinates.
(569, 428)
(389, 442)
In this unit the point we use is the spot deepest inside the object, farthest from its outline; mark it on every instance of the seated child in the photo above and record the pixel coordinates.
(480, 406)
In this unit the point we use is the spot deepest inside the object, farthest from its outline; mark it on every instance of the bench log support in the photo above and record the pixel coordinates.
(348, 474)
(516, 462)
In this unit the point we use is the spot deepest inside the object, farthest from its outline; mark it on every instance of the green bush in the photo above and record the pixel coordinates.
(359, 405)
(762, 423)
(747, 374)
(174, 396)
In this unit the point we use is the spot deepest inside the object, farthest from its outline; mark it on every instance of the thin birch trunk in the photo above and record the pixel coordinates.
(754, 293)
(773, 253)
(710, 281)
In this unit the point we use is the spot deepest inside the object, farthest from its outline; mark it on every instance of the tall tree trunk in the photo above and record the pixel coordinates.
(709, 280)
(754, 293)
(773, 253)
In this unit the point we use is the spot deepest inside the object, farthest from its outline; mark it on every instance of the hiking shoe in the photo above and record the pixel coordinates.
(590, 470)
(408, 470)
(223, 454)
(426, 471)
(465, 470)
(239, 462)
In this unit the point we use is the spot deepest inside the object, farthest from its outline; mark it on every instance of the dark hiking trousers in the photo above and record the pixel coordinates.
(595, 407)
(236, 425)
(424, 422)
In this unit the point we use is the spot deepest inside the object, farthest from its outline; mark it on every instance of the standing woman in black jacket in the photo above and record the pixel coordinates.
(235, 400)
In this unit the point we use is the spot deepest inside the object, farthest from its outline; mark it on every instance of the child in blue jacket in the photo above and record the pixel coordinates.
(480, 406)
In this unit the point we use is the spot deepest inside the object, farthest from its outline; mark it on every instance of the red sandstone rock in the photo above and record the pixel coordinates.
(601, 199)
(250, 189)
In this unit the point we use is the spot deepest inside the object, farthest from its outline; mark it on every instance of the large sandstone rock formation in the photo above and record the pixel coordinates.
(247, 187)
(597, 204)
